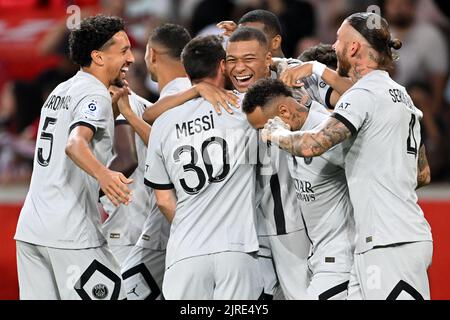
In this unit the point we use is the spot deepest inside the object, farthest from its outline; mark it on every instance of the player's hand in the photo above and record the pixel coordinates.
(218, 97)
(292, 76)
(114, 185)
(272, 128)
(228, 27)
(117, 92)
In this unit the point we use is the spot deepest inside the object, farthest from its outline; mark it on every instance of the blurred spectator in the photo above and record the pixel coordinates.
(434, 131)
(424, 55)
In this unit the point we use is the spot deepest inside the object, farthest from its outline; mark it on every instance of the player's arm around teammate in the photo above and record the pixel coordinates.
(113, 184)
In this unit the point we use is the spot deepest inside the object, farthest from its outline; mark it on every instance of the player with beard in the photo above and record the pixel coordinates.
(384, 164)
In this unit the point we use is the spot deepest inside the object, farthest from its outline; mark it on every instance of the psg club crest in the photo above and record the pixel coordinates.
(98, 282)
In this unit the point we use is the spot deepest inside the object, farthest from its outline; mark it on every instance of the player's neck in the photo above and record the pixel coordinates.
(361, 68)
(218, 81)
(170, 73)
(103, 78)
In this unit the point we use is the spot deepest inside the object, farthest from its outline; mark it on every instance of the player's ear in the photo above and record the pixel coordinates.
(268, 59)
(222, 66)
(97, 57)
(276, 42)
(355, 46)
(284, 112)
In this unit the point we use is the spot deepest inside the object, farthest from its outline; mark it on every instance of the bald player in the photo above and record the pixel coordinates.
(384, 164)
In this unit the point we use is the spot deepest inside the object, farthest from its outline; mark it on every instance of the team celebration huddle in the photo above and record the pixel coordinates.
(254, 176)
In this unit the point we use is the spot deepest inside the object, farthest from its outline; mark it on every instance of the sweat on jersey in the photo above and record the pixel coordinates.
(207, 159)
(324, 199)
(60, 209)
(381, 161)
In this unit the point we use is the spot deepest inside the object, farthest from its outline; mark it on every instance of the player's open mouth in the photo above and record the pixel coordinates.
(123, 71)
(243, 80)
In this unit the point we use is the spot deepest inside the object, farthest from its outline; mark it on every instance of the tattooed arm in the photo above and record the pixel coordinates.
(423, 169)
(305, 143)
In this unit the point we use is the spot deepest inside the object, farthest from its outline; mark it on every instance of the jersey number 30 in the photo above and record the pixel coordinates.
(46, 136)
(192, 165)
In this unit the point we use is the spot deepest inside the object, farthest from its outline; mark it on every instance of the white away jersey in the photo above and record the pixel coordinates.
(381, 161)
(155, 232)
(206, 158)
(325, 205)
(317, 89)
(124, 224)
(60, 209)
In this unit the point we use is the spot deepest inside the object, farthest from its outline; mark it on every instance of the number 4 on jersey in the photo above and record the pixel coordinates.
(411, 143)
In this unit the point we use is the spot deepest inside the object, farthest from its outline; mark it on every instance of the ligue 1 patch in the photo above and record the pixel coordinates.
(90, 110)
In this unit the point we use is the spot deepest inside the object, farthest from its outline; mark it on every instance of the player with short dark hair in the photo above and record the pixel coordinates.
(321, 189)
(196, 160)
(61, 251)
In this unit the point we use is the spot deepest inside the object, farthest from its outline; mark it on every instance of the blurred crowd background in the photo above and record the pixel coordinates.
(34, 56)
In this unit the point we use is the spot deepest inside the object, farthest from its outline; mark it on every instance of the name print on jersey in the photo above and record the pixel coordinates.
(189, 128)
(55, 102)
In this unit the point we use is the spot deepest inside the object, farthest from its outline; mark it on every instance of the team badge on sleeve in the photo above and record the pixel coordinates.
(90, 110)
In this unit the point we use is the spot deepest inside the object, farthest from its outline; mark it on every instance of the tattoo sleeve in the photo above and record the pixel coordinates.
(423, 169)
(313, 143)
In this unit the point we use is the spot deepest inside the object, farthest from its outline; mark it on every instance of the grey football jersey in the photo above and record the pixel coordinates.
(155, 232)
(124, 224)
(60, 209)
(317, 89)
(381, 161)
(278, 208)
(325, 205)
(206, 158)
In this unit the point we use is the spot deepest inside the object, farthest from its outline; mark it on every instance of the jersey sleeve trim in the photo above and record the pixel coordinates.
(84, 124)
(158, 186)
(328, 97)
(120, 121)
(347, 123)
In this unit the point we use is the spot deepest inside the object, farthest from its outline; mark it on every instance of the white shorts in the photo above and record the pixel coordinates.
(143, 273)
(67, 274)
(395, 272)
(329, 286)
(272, 288)
(219, 276)
(290, 254)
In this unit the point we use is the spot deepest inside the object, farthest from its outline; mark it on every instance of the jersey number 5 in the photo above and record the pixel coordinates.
(46, 136)
(411, 143)
(192, 165)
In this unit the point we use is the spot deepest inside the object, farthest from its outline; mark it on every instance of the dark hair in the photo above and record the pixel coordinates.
(270, 21)
(378, 37)
(248, 34)
(262, 92)
(94, 33)
(201, 57)
(172, 36)
(323, 53)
